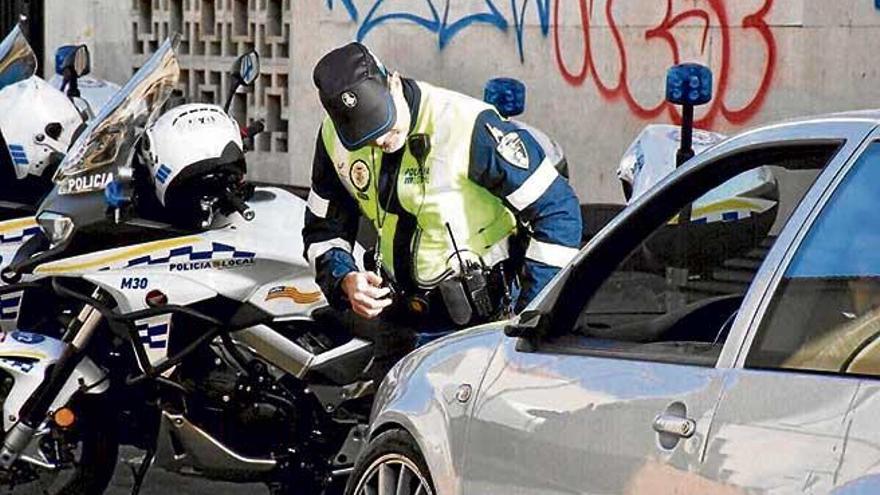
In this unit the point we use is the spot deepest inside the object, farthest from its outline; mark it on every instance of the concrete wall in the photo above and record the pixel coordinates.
(594, 68)
(104, 25)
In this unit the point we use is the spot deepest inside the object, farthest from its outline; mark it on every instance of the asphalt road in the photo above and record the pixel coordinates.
(160, 482)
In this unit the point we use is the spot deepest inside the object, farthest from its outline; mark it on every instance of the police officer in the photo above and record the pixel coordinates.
(447, 183)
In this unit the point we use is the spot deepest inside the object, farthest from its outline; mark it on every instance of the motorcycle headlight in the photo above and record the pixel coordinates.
(57, 227)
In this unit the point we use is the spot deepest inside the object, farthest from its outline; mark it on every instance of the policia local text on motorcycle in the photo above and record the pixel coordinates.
(472, 219)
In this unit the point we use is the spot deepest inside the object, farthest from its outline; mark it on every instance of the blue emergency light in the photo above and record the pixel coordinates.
(507, 95)
(689, 84)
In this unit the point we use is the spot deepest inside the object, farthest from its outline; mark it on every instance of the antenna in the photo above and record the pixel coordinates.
(455, 246)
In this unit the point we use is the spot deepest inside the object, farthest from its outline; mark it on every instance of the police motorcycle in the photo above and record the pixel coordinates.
(723, 224)
(38, 121)
(37, 124)
(194, 336)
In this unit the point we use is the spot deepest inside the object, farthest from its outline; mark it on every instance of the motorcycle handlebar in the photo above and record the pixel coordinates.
(240, 206)
(25, 264)
(252, 130)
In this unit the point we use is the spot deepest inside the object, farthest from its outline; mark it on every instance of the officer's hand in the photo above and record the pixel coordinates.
(365, 293)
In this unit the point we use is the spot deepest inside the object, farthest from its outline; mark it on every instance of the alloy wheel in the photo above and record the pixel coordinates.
(393, 474)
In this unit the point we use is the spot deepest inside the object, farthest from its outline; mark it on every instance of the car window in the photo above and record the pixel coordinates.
(825, 313)
(675, 296)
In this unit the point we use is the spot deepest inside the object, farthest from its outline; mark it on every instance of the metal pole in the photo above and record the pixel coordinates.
(686, 151)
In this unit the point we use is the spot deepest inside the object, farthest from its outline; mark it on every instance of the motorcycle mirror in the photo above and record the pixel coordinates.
(244, 73)
(75, 58)
(688, 85)
(507, 95)
(247, 67)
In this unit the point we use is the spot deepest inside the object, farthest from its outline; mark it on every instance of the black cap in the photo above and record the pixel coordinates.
(353, 87)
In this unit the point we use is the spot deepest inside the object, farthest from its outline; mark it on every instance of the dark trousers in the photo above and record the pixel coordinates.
(391, 334)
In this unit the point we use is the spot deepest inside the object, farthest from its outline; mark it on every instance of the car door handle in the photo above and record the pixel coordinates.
(675, 425)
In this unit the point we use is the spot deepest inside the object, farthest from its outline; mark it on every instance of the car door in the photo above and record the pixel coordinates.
(796, 414)
(621, 397)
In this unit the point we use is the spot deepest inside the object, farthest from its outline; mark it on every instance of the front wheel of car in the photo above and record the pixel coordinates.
(391, 465)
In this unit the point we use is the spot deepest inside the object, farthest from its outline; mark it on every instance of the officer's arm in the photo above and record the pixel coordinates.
(531, 187)
(330, 228)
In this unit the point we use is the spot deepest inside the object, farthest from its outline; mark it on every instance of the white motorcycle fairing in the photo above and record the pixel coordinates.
(651, 158)
(258, 262)
(13, 234)
(26, 357)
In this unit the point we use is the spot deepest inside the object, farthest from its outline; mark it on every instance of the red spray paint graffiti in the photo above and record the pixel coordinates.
(620, 89)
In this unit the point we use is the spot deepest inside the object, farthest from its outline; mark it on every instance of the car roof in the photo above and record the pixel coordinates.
(829, 127)
(871, 115)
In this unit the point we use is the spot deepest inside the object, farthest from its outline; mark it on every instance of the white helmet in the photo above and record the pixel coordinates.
(186, 146)
(36, 120)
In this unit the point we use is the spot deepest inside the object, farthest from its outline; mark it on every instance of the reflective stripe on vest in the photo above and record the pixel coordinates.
(441, 193)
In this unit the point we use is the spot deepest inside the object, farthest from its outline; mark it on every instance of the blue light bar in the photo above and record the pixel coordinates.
(689, 84)
(507, 95)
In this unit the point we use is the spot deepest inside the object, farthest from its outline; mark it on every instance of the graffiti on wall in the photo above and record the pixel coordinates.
(737, 27)
(749, 33)
(445, 18)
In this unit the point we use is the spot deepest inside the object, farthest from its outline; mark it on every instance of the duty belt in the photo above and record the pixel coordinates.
(429, 308)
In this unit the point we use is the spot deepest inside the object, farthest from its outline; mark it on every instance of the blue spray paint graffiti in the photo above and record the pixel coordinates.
(349, 6)
(439, 22)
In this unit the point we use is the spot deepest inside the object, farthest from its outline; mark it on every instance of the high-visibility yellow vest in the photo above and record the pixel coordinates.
(439, 193)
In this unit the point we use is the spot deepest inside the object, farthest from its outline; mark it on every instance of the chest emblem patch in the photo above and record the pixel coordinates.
(416, 176)
(511, 147)
(360, 175)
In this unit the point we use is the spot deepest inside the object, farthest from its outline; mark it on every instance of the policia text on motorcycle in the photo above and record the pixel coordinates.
(464, 203)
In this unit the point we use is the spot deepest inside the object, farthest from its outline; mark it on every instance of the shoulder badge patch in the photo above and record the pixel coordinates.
(360, 175)
(511, 147)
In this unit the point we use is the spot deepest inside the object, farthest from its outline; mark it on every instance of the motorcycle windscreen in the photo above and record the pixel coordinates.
(92, 158)
(17, 59)
(18, 62)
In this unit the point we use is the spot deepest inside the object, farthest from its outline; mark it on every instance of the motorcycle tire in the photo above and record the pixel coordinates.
(99, 451)
(395, 452)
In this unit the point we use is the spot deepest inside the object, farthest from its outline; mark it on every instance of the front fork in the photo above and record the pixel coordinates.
(76, 337)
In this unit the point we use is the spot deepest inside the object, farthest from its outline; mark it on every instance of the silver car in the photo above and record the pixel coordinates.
(695, 345)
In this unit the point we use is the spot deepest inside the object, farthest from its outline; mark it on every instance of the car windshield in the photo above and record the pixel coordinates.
(17, 59)
(122, 119)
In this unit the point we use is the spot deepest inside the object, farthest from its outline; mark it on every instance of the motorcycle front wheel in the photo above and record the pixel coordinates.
(87, 456)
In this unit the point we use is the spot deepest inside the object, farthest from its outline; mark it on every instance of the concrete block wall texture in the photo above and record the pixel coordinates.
(213, 34)
(594, 68)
